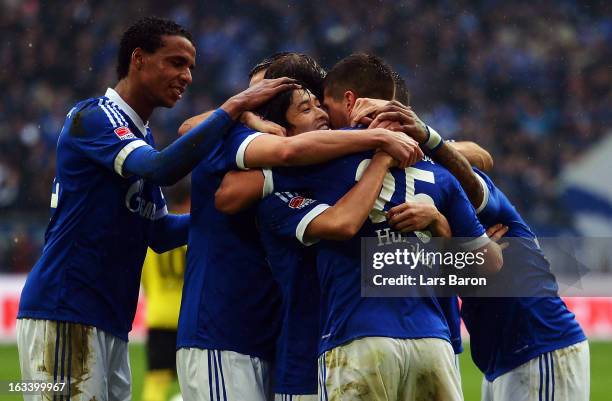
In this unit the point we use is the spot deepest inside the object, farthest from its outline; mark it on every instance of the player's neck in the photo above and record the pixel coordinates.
(133, 97)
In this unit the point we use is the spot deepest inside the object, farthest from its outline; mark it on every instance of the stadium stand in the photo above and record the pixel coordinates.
(529, 81)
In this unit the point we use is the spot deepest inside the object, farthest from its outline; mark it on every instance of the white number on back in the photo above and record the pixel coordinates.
(377, 215)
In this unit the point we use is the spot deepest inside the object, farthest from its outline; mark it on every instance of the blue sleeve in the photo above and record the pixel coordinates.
(99, 133)
(180, 157)
(490, 208)
(287, 214)
(324, 181)
(236, 143)
(169, 232)
(296, 179)
(462, 218)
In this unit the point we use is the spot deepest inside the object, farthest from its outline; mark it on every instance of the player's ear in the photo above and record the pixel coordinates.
(349, 100)
(137, 60)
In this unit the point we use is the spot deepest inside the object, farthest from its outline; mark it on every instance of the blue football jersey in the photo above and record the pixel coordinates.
(345, 314)
(230, 299)
(294, 267)
(507, 332)
(97, 238)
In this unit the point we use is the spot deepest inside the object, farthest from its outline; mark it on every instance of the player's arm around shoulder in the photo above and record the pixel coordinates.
(324, 145)
(344, 219)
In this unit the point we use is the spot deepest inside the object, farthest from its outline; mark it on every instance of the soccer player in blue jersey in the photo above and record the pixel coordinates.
(364, 110)
(78, 303)
(529, 348)
(293, 265)
(230, 311)
(354, 328)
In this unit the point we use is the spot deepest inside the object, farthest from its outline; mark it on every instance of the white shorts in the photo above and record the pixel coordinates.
(211, 375)
(458, 366)
(561, 375)
(296, 397)
(92, 363)
(380, 368)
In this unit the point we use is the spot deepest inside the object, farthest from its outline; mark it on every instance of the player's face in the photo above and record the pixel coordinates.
(338, 111)
(305, 113)
(166, 74)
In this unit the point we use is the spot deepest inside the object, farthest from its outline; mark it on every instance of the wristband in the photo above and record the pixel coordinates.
(434, 140)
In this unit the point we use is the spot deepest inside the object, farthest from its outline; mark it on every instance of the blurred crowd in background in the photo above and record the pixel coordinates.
(529, 81)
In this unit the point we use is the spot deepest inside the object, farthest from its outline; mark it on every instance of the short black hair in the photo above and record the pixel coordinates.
(300, 67)
(275, 109)
(402, 94)
(265, 63)
(146, 33)
(364, 74)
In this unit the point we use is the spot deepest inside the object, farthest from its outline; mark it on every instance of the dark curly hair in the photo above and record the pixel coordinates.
(146, 33)
(402, 94)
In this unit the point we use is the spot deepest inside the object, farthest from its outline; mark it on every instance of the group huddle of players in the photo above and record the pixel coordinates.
(283, 189)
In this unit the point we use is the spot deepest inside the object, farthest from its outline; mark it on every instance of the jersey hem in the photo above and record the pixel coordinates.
(534, 354)
(242, 150)
(339, 343)
(219, 347)
(300, 230)
(62, 318)
(295, 392)
(485, 194)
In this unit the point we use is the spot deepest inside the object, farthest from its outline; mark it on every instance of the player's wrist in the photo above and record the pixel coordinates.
(420, 134)
(433, 140)
(436, 217)
(380, 139)
(234, 107)
(383, 159)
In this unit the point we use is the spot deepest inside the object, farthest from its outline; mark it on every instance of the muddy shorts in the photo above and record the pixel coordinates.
(561, 375)
(389, 369)
(210, 375)
(93, 364)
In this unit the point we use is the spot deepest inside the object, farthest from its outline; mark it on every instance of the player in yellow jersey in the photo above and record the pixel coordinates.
(162, 280)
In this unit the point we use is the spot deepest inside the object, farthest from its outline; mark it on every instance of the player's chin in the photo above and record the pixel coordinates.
(169, 101)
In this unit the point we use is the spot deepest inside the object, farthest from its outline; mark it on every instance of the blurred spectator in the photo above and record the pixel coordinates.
(530, 81)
